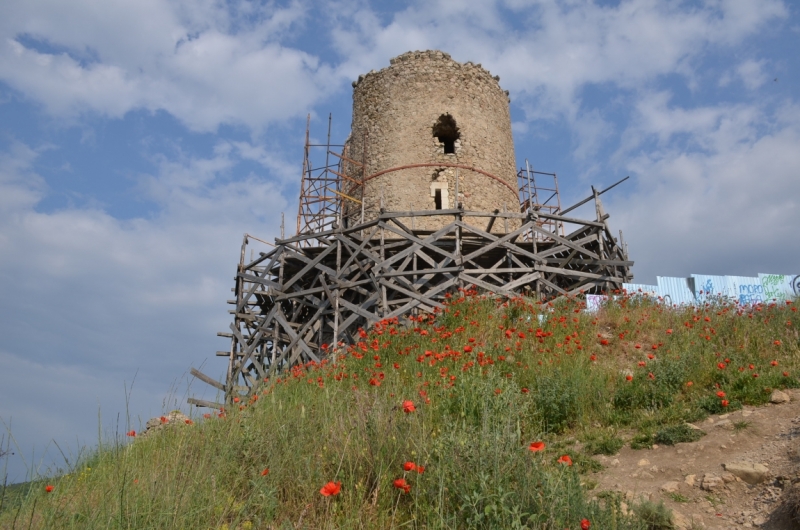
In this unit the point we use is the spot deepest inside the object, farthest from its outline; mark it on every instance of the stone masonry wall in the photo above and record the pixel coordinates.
(395, 114)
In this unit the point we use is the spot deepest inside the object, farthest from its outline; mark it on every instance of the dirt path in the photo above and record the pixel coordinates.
(692, 479)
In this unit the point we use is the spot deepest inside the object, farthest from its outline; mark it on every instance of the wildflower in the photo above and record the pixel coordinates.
(235, 400)
(593, 357)
(164, 419)
(669, 332)
(774, 363)
(525, 390)
(651, 356)
(467, 349)
(721, 366)
(751, 366)
(585, 524)
(642, 363)
(689, 383)
(130, 433)
(49, 488)
(408, 406)
(536, 446)
(604, 342)
(207, 415)
(331, 488)
(785, 374)
(265, 472)
(777, 343)
(409, 466)
(401, 484)
(651, 376)
(374, 382)
(638, 346)
(497, 391)
(629, 377)
(565, 459)
(396, 366)
(720, 394)
(420, 469)
(724, 402)
(187, 421)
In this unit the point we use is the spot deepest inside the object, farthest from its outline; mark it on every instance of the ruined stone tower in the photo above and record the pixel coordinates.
(419, 123)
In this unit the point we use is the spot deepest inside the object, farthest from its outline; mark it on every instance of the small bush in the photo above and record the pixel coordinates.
(603, 443)
(677, 434)
(642, 441)
(655, 516)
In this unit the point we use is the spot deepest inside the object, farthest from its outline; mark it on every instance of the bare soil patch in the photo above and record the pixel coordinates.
(692, 480)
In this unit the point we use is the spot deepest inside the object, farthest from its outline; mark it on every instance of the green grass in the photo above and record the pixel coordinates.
(486, 380)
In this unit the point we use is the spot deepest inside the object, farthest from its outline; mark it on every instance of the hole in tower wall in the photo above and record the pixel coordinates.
(446, 131)
(437, 199)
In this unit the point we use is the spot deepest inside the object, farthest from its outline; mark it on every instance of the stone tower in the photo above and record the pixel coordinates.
(420, 123)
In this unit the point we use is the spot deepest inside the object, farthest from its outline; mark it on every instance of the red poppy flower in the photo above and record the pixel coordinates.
(720, 394)
(721, 366)
(785, 374)
(629, 377)
(651, 376)
(130, 433)
(536, 446)
(777, 343)
(497, 391)
(409, 466)
(585, 524)
(264, 473)
(774, 363)
(604, 342)
(689, 383)
(420, 469)
(525, 390)
(642, 363)
(565, 460)
(187, 421)
(206, 415)
(408, 406)
(331, 488)
(669, 331)
(638, 346)
(164, 419)
(374, 382)
(401, 484)
(651, 356)
(467, 349)
(49, 488)
(724, 403)
(593, 357)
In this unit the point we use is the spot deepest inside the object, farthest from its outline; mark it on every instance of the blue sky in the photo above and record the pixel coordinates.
(140, 140)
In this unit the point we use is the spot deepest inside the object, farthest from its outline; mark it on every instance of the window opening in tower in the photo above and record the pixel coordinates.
(437, 199)
(446, 131)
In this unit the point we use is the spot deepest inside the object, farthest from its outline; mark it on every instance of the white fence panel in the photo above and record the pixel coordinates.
(675, 291)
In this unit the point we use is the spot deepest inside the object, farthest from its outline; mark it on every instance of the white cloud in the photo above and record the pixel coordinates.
(752, 73)
(729, 208)
(202, 63)
(88, 298)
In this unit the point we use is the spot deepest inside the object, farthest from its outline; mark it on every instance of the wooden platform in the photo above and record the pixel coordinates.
(313, 291)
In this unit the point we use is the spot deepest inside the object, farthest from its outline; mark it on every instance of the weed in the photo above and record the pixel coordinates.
(654, 516)
(739, 426)
(603, 443)
(678, 434)
(677, 497)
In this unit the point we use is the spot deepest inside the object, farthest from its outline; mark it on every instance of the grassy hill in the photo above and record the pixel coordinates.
(435, 422)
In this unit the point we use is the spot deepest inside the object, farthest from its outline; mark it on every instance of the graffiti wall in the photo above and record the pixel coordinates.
(699, 289)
